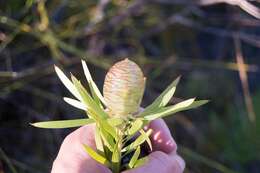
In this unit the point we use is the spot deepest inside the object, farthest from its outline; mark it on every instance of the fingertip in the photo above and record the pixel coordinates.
(180, 162)
(161, 137)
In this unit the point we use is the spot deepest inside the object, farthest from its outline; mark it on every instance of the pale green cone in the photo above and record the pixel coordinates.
(123, 88)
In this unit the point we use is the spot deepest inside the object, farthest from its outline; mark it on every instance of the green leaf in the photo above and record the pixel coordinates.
(98, 141)
(116, 154)
(75, 103)
(103, 123)
(141, 162)
(115, 121)
(88, 101)
(136, 126)
(63, 123)
(68, 84)
(95, 155)
(93, 87)
(134, 157)
(107, 139)
(147, 139)
(72, 123)
(184, 105)
(141, 139)
(163, 99)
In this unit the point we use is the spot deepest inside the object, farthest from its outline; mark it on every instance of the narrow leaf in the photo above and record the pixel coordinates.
(98, 141)
(164, 98)
(107, 139)
(63, 123)
(75, 103)
(141, 162)
(147, 139)
(115, 121)
(104, 124)
(136, 126)
(141, 139)
(68, 84)
(134, 157)
(93, 87)
(95, 155)
(88, 101)
(184, 105)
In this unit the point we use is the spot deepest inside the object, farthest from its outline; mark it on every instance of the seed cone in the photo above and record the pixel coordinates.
(123, 88)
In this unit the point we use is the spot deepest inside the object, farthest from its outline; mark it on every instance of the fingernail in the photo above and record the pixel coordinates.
(180, 162)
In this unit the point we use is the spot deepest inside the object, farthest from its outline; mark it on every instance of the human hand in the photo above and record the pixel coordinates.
(73, 159)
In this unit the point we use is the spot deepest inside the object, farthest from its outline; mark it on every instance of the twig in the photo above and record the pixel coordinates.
(243, 4)
(8, 161)
(244, 80)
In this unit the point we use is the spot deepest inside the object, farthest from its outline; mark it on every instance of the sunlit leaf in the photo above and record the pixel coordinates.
(134, 157)
(75, 103)
(93, 87)
(63, 123)
(141, 139)
(98, 141)
(141, 162)
(95, 155)
(184, 105)
(163, 99)
(107, 139)
(104, 124)
(88, 101)
(116, 154)
(115, 121)
(68, 84)
(147, 139)
(136, 126)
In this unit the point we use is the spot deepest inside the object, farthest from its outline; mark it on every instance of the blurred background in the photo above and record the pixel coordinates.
(213, 44)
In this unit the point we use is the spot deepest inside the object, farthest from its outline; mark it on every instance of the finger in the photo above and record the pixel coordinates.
(72, 158)
(161, 137)
(159, 161)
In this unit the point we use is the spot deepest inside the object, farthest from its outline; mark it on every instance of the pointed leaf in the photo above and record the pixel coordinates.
(98, 141)
(68, 84)
(93, 87)
(95, 155)
(136, 126)
(141, 162)
(107, 139)
(141, 139)
(134, 157)
(115, 121)
(75, 103)
(63, 123)
(184, 105)
(104, 124)
(147, 139)
(88, 101)
(164, 98)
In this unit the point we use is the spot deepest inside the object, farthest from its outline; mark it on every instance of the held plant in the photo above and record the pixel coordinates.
(119, 122)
